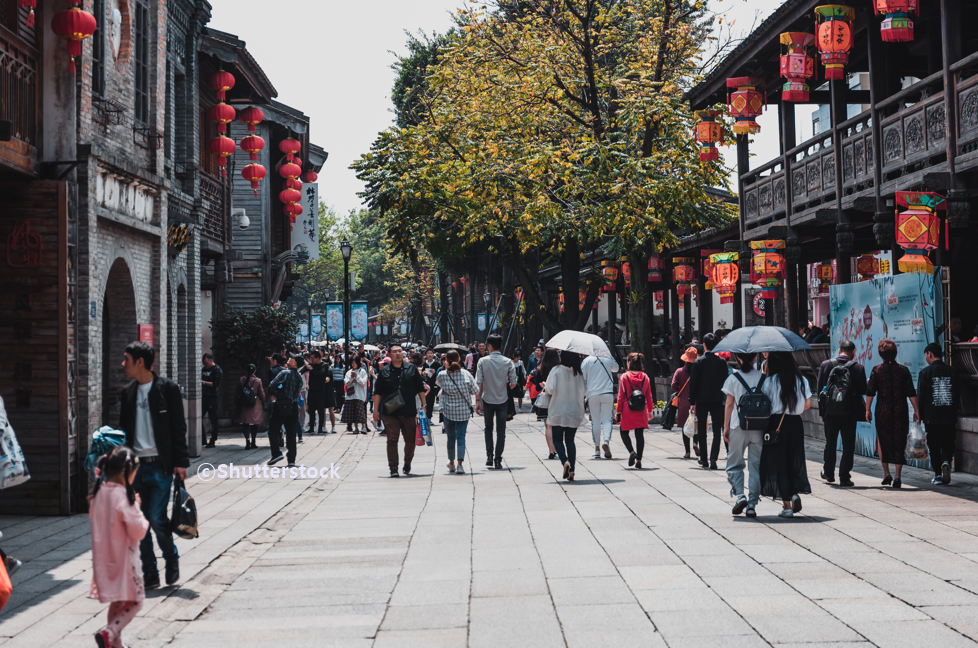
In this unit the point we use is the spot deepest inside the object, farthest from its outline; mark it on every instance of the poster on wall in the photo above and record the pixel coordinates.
(305, 229)
(334, 321)
(358, 320)
(753, 307)
(907, 308)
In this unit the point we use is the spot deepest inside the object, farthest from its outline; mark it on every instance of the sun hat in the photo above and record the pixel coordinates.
(690, 356)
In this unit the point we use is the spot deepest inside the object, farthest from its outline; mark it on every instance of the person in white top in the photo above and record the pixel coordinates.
(565, 386)
(740, 440)
(355, 404)
(784, 473)
(600, 394)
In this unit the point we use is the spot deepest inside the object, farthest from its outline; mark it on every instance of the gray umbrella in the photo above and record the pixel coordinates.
(757, 339)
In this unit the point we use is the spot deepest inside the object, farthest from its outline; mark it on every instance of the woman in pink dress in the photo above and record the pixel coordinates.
(117, 527)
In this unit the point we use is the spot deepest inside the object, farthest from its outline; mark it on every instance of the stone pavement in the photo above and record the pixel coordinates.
(518, 558)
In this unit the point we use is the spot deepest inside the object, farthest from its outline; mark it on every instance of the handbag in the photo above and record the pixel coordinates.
(13, 465)
(771, 437)
(669, 416)
(395, 401)
(675, 397)
(183, 522)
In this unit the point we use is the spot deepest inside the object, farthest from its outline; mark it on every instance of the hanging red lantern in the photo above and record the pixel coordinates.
(868, 266)
(656, 266)
(581, 298)
(455, 285)
(221, 82)
(660, 299)
(293, 211)
(290, 147)
(683, 276)
(74, 25)
(223, 147)
(28, 4)
(724, 274)
(626, 272)
(518, 293)
(797, 66)
(826, 277)
(746, 103)
(709, 132)
(310, 176)
(290, 196)
(252, 145)
(610, 274)
(706, 267)
(222, 115)
(251, 117)
(254, 173)
(918, 230)
(290, 171)
(835, 37)
(897, 26)
(767, 267)
(560, 300)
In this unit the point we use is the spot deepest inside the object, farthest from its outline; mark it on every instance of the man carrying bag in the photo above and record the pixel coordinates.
(395, 393)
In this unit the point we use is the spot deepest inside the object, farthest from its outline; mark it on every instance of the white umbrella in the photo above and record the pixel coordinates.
(370, 347)
(580, 342)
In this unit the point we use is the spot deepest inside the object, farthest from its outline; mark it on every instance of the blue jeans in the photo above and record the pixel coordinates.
(751, 441)
(154, 488)
(456, 434)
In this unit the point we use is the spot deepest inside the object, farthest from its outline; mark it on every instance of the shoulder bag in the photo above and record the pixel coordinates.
(395, 401)
(773, 433)
(463, 395)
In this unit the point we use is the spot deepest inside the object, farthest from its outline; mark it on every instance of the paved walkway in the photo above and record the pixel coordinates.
(518, 558)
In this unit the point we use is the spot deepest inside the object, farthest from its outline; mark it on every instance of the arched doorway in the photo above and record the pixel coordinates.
(119, 328)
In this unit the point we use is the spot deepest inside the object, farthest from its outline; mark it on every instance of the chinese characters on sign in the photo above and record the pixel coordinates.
(305, 229)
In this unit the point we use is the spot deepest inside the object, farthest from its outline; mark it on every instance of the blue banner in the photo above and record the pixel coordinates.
(358, 319)
(482, 321)
(334, 321)
(317, 325)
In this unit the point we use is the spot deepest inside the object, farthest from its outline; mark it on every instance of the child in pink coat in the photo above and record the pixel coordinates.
(632, 380)
(117, 527)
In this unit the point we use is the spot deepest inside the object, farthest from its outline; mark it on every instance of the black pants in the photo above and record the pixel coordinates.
(313, 413)
(836, 426)
(498, 412)
(283, 414)
(564, 444)
(639, 442)
(714, 411)
(429, 405)
(250, 433)
(209, 407)
(940, 443)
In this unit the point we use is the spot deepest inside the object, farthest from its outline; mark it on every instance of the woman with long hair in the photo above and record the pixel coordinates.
(251, 416)
(355, 407)
(457, 388)
(891, 384)
(565, 413)
(784, 474)
(551, 359)
(638, 421)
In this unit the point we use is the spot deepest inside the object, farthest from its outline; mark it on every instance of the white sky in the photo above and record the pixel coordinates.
(331, 60)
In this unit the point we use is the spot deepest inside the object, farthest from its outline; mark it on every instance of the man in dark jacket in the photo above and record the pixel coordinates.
(152, 418)
(705, 384)
(210, 380)
(938, 393)
(398, 377)
(842, 424)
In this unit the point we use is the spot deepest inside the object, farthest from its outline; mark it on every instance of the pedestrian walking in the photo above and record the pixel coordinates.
(320, 396)
(599, 392)
(117, 526)
(521, 376)
(680, 396)
(535, 359)
(784, 475)
(495, 375)
(355, 407)
(746, 382)
(339, 391)
(939, 392)
(635, 405)
(430, 368)
(397, 387)
(284, 391)
(457, 388)
(250, 405)
(210, 380)
(153, 420)
(841, 387)
(565, 387)
(892, 384)
(706, 394)
(551, 359)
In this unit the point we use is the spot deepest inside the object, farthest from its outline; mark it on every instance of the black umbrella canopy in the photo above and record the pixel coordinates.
(760, 339)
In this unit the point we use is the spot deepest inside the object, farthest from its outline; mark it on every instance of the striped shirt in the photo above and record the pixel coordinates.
(457, 389)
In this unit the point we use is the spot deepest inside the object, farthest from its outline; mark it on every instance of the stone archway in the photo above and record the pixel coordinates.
(119, 329)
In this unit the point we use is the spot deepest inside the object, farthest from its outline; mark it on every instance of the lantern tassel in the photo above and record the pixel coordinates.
(71, 65)
(30, 19)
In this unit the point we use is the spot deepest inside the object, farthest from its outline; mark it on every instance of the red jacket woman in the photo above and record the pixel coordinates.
(632, 380)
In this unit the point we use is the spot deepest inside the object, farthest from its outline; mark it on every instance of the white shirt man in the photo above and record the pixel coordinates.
(741, 440)
(600, 395)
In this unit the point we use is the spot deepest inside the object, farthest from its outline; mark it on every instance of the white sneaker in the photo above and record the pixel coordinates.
(597, 454)
(459, 470)
(786, 513)
(936, 481)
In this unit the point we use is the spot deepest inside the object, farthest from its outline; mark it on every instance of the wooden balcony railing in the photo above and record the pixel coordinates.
(18, 99)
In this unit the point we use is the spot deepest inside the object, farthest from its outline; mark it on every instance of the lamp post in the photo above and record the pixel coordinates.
(309, 303)
(346, 249)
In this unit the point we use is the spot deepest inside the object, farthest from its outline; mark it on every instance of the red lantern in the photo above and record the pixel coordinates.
(708, 133)
(656, 266)
(454, 285)
(221, 82)
(581, 298)
(610, 273)
(518, 293)
(28, 4)
(252, 145)
(251, 116)
(222, 146)
(897, 26)
(626, 273)
(310, 176)
(724, 273)
(222, 115)
(834, 37)
(290, 171)
(290, 196)
(293, 211)
(290, 147)
(464, 281)
(706, 267)
(74, 26)
(254, 173)
(826, 274)
(560, 300)
(660, 299)
(684, 275)
(796, 66)
(746, 103)
(868, 266)
(767, 267)
(918, 230)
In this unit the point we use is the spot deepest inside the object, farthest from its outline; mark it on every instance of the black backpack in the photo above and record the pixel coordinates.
(837, 396)
(636, 400)
(248, 395)
(754, 406)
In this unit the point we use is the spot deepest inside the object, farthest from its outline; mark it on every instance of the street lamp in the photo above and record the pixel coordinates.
(346, 248)
(309, 301)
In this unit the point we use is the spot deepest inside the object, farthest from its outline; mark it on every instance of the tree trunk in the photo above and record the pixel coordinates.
(640, 304)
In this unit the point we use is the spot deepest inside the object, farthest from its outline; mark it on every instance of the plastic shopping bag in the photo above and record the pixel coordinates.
(690, 428)
(425, 427)
(103, 441)
(916, 443)
(13, 466)
(419, 438)
(6, 588)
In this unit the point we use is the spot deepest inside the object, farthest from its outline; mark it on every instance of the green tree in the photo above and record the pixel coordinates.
(242, 337)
